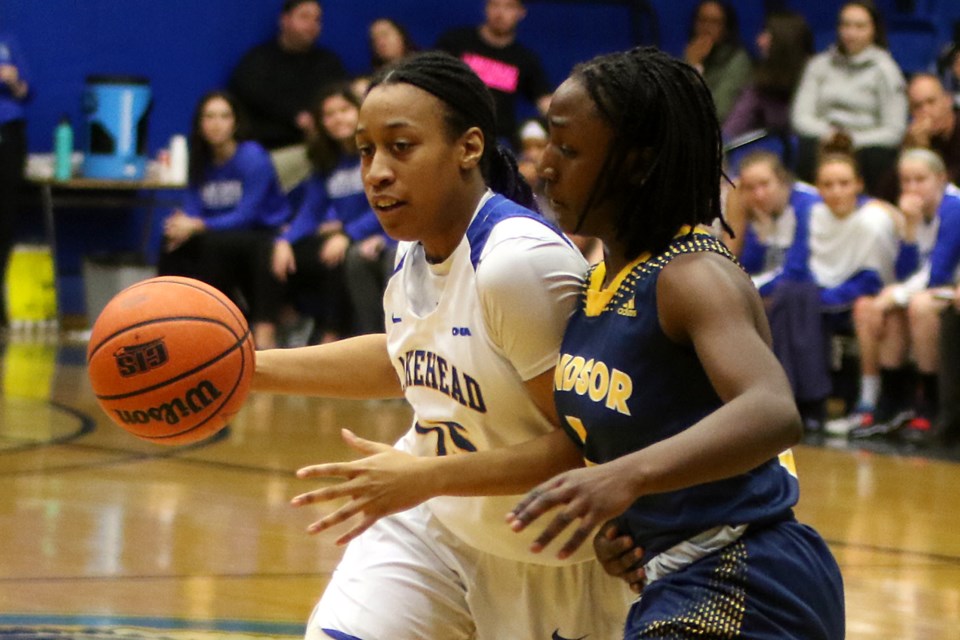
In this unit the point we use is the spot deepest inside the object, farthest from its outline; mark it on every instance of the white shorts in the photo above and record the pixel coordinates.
(408, 577)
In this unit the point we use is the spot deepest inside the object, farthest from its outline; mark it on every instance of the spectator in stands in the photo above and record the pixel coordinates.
(222, 235)
(934, 120)
(507, 67)
(785, 44)
(854, 87)
(844, 249)
(765, 220)
(389, 41)
(904, 314)
(764, 211)
(715, 50)
(335, 254)
(277, 81)
(14, 92)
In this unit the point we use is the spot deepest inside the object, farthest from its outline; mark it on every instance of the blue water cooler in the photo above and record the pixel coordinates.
(117, 109)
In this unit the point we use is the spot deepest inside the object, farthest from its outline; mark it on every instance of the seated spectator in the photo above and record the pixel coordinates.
(854, 87)
(843, 249)
(335, 244)
(785, 44)
(233, 205)
(276, 82)
(765, 218)
(533, 140)
(764, 210)
(715, 50)
(508, 68)
(934, 120)
(389, 41)
(899, 316)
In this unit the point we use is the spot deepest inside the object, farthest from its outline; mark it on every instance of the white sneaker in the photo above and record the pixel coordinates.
(846, 424)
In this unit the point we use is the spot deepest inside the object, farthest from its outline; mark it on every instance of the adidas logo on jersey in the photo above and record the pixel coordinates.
(628, 309)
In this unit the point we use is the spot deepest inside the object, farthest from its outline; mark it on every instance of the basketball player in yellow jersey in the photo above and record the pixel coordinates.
(666, 379)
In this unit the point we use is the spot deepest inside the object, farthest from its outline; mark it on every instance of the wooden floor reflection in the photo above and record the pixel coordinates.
(94, 522)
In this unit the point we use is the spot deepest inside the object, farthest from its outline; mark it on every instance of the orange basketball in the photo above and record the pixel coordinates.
(170, 360)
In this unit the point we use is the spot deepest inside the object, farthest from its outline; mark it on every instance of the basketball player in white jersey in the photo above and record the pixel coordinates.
(474, 315)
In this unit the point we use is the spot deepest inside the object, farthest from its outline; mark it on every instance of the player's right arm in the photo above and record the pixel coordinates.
(357, 367)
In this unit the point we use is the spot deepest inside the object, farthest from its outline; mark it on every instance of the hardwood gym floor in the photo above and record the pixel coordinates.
(106, 536)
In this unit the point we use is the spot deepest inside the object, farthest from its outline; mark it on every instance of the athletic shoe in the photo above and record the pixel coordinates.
(882, 425)
(843, 426)
(918, 431)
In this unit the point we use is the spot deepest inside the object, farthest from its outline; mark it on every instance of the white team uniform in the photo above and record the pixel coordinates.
(464, 335)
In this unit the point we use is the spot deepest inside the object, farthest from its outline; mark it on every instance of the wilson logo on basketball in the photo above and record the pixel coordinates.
(140, 358)
(194, 401)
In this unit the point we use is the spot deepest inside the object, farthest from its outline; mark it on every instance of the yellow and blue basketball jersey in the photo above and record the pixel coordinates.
(622, 385)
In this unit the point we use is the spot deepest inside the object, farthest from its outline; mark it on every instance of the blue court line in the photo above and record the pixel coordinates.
(172, 624)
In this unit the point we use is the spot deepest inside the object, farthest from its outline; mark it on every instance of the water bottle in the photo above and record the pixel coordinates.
(63, 150)
(179, 159)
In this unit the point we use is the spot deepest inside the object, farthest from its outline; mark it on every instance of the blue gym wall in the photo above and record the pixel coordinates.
(187, 47)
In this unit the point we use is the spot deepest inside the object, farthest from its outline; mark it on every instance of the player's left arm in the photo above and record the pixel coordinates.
(709, 303)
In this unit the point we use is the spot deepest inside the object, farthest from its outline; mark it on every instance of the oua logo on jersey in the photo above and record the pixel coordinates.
(596, 380)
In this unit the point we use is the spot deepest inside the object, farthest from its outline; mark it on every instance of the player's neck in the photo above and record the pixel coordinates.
(440, 245)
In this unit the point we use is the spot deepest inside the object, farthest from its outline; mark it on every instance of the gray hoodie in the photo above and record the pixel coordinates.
(864, 94)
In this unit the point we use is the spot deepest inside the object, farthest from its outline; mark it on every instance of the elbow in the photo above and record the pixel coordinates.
(792, 424)
(785, 420)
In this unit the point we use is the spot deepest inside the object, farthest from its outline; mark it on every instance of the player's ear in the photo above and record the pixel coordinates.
(471, 148)
(639, 165)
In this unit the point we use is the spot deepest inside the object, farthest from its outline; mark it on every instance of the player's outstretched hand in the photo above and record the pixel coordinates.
(619, 556)
(588, 497)
(383, 482)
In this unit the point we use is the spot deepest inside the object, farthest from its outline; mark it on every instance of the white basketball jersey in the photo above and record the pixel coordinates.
(466, 393)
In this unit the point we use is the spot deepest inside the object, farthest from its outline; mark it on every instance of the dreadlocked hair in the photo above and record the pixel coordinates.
(467, 103)
(665, 162)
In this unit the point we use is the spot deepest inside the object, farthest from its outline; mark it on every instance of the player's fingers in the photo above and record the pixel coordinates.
(560, 522)
(580, 534)
(340, 515)
(609, 548)
(628, 563)
(325, 494)
(636, 579)
(362, 445)
(327, 470)
(531, 507)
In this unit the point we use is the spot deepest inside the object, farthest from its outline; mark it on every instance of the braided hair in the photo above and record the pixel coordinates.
(664, 117)
(467, 103)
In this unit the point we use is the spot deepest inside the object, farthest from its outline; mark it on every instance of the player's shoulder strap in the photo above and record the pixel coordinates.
(694, 242)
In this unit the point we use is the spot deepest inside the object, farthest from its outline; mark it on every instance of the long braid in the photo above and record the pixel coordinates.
(468, 104)
(662, 110)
